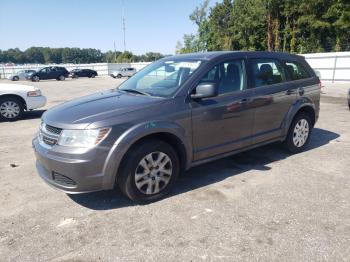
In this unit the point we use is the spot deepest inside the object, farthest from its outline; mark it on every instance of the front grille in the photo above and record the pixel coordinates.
(63, 180)
(53, 130)
(49, 134)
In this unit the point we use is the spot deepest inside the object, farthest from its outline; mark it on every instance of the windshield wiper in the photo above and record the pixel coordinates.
(135, 91)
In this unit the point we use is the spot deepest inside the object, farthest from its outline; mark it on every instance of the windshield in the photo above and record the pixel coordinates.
(162, 78)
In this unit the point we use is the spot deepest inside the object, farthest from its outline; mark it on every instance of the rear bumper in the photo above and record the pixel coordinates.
(35, 102)
(71, 174)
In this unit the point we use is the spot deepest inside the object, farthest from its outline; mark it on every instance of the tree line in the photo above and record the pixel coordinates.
(47, 55)
(296, 26)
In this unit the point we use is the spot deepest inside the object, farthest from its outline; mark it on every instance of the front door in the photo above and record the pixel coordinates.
(43, 73)
(223, 123)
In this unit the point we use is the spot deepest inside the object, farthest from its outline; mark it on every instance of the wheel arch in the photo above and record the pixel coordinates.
(170, 133)
(17, 97)
(304, 106)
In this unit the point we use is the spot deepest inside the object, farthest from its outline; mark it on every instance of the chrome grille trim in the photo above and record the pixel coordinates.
(53, 130)
(49, 135)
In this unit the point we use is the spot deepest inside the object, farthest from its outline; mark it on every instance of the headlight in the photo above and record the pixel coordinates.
(36, 92)
(82, 138)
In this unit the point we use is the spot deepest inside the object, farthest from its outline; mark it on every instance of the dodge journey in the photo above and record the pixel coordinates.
(176, 113)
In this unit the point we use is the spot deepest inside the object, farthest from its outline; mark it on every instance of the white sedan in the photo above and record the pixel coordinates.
(15, 99)
(21, 75)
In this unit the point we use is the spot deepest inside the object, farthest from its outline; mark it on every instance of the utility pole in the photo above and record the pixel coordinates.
(123, 22)
(115, 53)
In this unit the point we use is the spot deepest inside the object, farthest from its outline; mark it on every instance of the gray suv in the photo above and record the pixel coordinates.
(177, 113)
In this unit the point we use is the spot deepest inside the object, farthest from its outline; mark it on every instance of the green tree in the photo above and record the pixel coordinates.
(124, 57)
(274, 25)
(197, 42)
(34, 55)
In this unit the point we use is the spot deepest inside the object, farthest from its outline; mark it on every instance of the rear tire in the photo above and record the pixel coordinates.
(93, 76)
(15, 78)
(11, 109)
(119, 76)
(149, 171)
(299, 133)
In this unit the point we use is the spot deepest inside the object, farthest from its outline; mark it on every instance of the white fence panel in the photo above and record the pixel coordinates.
(101, 68)
(333, 67)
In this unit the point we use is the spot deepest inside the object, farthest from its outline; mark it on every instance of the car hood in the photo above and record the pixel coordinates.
(80, 113)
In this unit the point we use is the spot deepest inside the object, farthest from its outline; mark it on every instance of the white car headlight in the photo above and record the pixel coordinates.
(82, 138)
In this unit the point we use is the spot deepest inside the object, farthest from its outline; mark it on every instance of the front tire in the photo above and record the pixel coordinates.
(61, 78)
(35, 78)
(119, 76)
(299, 133)
(11, 109)
(15, 78)
(149, 171)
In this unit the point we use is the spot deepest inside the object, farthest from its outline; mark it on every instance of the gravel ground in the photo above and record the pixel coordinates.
(261, 205)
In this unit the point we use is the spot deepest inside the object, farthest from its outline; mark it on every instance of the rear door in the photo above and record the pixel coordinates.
(223, 123)
(273, 97)
(53, 73)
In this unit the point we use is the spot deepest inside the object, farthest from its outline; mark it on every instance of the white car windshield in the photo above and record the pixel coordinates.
(162, 78)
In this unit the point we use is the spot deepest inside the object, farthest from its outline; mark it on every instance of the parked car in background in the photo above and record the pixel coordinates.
(15, 99)
(21, 75)
(140, 136)
(75, 73)
(51, 72)
(124, 72)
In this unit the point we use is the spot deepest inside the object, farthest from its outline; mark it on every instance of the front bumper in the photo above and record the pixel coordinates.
(35, 102)
(73, 173)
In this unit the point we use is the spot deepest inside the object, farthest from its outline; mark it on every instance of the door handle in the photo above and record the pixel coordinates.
(244, 101)
(290, 92)
(301, 91)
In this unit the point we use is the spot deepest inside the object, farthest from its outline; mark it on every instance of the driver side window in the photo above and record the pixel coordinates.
(229, 76)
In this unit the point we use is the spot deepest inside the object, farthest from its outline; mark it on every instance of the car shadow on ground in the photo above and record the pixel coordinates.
(28, 115)
(213, 172)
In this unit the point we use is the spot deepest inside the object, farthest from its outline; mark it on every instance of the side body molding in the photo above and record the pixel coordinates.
(137, 132)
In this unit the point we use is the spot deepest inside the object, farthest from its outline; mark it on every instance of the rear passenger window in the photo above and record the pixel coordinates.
(229, 76)
(266, 72)
(296, 71)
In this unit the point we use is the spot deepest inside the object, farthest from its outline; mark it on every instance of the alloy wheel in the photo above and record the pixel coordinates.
(301, 133)
(153, 173)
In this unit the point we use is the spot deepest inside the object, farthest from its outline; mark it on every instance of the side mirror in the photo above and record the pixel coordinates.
(205, 90)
